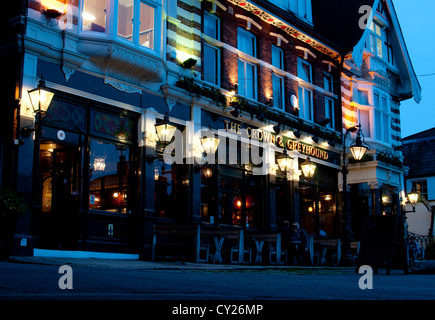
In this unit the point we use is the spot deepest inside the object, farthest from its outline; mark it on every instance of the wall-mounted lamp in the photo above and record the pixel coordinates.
(235, 113)
(235, 89)
(260, 117)
(285, 162)
(413, 199)
(331, 143)
(189, 63)
(297, 134)
(52, 13)
(210, 143)
(277, 128)
(308, 168)
(40, 99)
(325, 122)
(165, 132)
(207, 171)
(270, 102)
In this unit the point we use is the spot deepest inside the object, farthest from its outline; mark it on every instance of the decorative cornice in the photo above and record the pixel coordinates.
(284, 26)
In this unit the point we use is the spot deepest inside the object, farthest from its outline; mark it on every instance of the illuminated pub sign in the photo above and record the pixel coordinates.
(278, 140)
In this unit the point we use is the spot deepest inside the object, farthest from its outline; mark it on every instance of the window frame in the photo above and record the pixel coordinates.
(383, 110)
(278, 102)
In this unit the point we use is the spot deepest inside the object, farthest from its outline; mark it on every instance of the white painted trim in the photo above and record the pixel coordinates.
(83, 254)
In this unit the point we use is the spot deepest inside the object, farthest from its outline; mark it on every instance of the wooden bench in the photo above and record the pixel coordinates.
(219, 236)
(321, 247)
(173, 240)
(274, 243)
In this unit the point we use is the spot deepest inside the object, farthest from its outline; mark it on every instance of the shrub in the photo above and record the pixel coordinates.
(11, 204)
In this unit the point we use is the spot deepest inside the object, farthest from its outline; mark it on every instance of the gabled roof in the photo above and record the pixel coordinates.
(430, 133)
(419, 153)
(339, 21)
(410, 86)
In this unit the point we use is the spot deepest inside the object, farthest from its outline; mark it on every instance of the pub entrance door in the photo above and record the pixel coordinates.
(58, 222)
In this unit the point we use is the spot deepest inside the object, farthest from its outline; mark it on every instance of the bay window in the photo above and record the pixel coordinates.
(136, 22)
(94, 15)
(382, 118)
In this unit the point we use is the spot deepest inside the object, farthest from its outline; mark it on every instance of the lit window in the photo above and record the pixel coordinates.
(375, 39)
(136, 22)
(94, 15)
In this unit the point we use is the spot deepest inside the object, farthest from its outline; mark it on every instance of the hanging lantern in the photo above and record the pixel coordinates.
(99, 164)
(357, 148)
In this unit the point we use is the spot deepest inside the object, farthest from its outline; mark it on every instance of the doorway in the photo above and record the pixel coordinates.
(59, 196)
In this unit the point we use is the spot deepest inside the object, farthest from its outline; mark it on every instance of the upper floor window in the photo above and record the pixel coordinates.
(420, 186)
(211, 53)
(304, 70)
(211, 26)
(305, 94)
(328, 82)
(247, 71)
(382, 118)
(277, 57)
(302, 8)
(246, 42)
(375, 39)
(136, 22)
(94, 15)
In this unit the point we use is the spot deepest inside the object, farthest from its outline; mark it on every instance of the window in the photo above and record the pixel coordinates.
(375, 39)
(278, 91)
(305, 103)
(329, 112)
(171, 189)
(211, 26)
(304, 70)
(420, 186)
(211, 54)
(305, 94)
(382, 119)
(328, 82)
(389, 48)
(247, 78)
(246, 42)
(111, 166)
(364, 120)
(136, 22)
(277, 57)
(247, 71)
(94, 15)
(302, 8)
(363, 97)
(211, 60)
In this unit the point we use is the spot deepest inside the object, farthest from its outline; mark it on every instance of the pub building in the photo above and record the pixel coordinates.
(204, 113)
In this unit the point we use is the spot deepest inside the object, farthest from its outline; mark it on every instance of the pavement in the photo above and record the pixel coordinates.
(163, 265)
